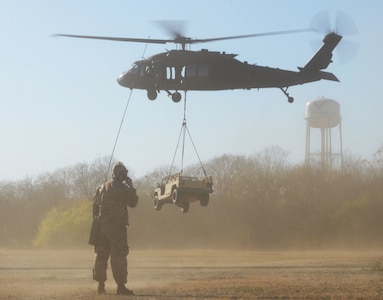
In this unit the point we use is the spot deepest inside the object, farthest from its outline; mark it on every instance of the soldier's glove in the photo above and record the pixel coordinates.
(129, 182)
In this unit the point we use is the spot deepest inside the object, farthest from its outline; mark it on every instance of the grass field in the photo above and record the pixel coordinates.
(196, 274)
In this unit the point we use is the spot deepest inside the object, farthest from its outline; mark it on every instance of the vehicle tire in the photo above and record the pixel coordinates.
(157, 204)
(185, 207)
(175, 196)
(204, 200)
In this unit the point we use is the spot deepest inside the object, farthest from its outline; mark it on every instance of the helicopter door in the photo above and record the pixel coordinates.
(174, 76)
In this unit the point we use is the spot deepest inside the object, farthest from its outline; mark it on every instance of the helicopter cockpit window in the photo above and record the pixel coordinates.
(134, 68)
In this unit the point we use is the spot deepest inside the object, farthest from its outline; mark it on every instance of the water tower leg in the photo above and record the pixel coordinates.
(341, 145)
(307, 143)
(329, 157)
(323, 148)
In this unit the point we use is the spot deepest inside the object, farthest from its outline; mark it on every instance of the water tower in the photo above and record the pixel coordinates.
(324, 114)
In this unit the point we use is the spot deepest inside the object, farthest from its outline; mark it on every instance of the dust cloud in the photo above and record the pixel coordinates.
(196, 274)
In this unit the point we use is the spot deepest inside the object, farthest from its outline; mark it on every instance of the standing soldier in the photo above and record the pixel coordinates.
(110, 210)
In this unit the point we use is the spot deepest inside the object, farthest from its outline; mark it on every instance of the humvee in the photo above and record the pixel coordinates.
(181, 190)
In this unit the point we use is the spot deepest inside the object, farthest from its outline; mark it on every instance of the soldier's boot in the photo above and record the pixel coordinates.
(101, 288)
(122, 290)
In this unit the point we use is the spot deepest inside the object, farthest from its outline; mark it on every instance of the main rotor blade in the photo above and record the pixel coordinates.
(181, 39)
(249, 35)
(119, 39)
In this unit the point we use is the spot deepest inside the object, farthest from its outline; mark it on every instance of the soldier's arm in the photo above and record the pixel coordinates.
(132, 197)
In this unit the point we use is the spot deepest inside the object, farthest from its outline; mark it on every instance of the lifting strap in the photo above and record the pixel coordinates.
(122, 121)
(117, 136)
(183, 131)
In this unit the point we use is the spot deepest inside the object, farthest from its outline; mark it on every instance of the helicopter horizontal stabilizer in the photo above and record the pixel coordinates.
(328, 76)
(319, 74)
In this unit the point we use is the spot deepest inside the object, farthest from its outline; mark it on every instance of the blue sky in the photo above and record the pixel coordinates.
(61, 104)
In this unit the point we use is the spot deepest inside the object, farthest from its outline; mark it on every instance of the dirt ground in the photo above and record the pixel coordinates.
(196, 274)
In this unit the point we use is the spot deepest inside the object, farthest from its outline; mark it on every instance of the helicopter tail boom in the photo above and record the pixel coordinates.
(313, 70)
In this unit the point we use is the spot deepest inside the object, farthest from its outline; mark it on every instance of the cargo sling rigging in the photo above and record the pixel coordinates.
(183, 131)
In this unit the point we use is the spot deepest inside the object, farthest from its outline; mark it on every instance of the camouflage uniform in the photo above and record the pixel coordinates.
(112, 237)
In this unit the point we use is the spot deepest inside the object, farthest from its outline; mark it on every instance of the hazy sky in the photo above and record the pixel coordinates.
(61, 104)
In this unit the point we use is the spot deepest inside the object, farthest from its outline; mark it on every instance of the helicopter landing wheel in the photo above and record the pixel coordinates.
(152, 95)
(176, 97)
(289, 99)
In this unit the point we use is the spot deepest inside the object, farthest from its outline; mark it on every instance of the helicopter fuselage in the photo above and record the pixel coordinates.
(203, 71)
(182, 70)
(185, 70)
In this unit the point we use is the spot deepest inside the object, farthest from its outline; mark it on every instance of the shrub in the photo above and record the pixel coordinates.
(65, 226)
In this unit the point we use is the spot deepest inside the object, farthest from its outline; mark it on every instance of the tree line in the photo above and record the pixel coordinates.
(261, 201)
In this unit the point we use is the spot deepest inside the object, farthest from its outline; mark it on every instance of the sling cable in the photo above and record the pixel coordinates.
(183, 131)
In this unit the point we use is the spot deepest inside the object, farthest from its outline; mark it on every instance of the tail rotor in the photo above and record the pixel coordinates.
(342, 24)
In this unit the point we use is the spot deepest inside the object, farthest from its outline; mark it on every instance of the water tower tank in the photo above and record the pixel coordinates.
(322, 113)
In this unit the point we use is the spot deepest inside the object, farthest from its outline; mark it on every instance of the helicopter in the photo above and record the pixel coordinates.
(185, 70)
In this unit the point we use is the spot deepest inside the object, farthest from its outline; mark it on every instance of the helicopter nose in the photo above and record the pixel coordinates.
(123, 80)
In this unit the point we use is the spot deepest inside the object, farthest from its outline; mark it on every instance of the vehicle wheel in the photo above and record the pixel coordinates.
(157, 204)
(176, 97)
(204, 200)
(290, 99)
(174, 196)
(152, 95)
(185, 207)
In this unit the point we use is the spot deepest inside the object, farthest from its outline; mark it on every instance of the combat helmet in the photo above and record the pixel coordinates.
(118, 169)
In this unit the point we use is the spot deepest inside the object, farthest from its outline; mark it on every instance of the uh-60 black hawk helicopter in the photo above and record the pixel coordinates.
(185, 70)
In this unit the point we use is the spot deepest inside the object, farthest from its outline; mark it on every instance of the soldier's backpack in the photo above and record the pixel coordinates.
(96, 204)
